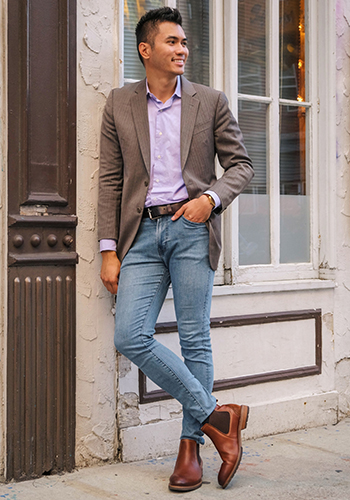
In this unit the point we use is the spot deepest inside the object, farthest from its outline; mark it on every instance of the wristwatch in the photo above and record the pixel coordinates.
(211, 200)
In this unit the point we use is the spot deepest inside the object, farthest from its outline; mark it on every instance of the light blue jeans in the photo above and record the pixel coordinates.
(165, 252)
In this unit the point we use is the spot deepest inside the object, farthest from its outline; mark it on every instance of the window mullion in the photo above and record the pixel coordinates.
(217, 44)
(216, 58)
(230, 67)
(231, 52)
(273, 128)
(311, 20)
(119, 37)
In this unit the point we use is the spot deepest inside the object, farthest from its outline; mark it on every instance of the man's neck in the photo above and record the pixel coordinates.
(162, 88)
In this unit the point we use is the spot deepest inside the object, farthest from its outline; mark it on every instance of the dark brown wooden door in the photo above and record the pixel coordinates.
(41, 237)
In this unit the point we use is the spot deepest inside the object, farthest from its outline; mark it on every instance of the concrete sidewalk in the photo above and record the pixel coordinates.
(305, 465)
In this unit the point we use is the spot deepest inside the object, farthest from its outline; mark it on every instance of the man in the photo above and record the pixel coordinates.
(159, 223)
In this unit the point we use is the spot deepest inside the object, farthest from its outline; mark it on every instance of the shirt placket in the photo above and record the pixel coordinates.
(159, 152)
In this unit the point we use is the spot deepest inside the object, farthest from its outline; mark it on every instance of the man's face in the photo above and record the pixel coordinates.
(168, 53)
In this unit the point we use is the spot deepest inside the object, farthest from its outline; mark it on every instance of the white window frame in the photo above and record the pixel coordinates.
(321, 141)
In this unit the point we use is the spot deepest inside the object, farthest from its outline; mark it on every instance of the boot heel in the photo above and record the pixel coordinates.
(244, 416)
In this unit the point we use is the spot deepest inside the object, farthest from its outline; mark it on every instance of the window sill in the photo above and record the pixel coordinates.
(268, 287)
(273, 287)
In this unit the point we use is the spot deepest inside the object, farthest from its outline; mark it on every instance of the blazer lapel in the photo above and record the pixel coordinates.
(189, 109)
(140, 116)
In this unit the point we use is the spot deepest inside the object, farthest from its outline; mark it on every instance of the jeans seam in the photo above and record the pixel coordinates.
(204, 317)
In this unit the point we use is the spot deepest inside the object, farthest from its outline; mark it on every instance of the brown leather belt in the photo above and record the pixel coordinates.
(160, 210)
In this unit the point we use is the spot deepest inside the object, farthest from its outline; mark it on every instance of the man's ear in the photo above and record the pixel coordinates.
(144, 49)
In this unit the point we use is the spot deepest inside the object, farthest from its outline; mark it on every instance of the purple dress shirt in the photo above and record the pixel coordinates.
(166, 182)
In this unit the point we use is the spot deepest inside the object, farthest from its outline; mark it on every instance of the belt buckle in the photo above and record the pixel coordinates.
(149, 210)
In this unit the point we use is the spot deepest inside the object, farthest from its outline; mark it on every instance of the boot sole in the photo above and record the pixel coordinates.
(243, 420)
(185, 488)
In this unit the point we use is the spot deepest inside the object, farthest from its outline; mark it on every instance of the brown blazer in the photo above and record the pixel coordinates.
(207, 128)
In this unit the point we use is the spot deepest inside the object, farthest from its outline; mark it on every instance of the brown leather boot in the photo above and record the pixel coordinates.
(187, 475)
(227, 441)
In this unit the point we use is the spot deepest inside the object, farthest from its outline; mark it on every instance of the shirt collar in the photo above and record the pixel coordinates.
(177, 92)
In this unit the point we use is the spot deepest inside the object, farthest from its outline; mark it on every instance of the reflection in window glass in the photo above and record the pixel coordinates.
(294, 189)
(292, 50)
(133, 10)
(254, 202)
(292, 150)
(252, 47)
(195, 22)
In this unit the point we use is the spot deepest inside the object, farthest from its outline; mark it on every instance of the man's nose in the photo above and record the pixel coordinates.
(182, 49)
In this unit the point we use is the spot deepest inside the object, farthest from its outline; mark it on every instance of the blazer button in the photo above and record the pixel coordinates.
(139, 209)
(146, 183)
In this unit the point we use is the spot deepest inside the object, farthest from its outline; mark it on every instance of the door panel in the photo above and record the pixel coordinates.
(42, 96)
(41, 237)
(41, 371)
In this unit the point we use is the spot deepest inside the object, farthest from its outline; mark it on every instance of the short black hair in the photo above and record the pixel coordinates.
(147, 27)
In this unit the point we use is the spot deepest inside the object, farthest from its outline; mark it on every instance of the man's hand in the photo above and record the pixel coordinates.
(110, 270)
(197, 210)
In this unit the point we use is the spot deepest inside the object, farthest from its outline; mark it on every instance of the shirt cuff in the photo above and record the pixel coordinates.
(108, 245)
(215, 197)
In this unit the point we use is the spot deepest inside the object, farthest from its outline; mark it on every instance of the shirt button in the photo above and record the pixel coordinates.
(159, 157)
(157, 180)
(160, 133)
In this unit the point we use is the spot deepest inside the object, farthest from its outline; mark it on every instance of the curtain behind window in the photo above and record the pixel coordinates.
(195, 22)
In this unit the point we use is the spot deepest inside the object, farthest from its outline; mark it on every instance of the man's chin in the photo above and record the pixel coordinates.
(180, 71)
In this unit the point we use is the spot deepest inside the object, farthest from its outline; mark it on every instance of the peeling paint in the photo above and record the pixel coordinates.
(88, 219)
(89, 7)
(328, 319)
(124, 365)
(88, 136)
(92, 37)
(97, 447)
(104, 431)
(176, 414)
(342, 330)
(87, 253)
(89, 335)
(84, 289)
(128, 410)
(105, 399)
(94, 173)
(90, 68)
(342, 373)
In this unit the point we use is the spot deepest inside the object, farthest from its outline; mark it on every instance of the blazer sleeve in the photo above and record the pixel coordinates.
(110, 176)
(232, 155)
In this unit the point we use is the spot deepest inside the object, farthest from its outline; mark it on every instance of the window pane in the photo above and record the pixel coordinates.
(254, 202)
(294, 189)
(252, 47)
(133, 10)
(292, 50)
(195, 22)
